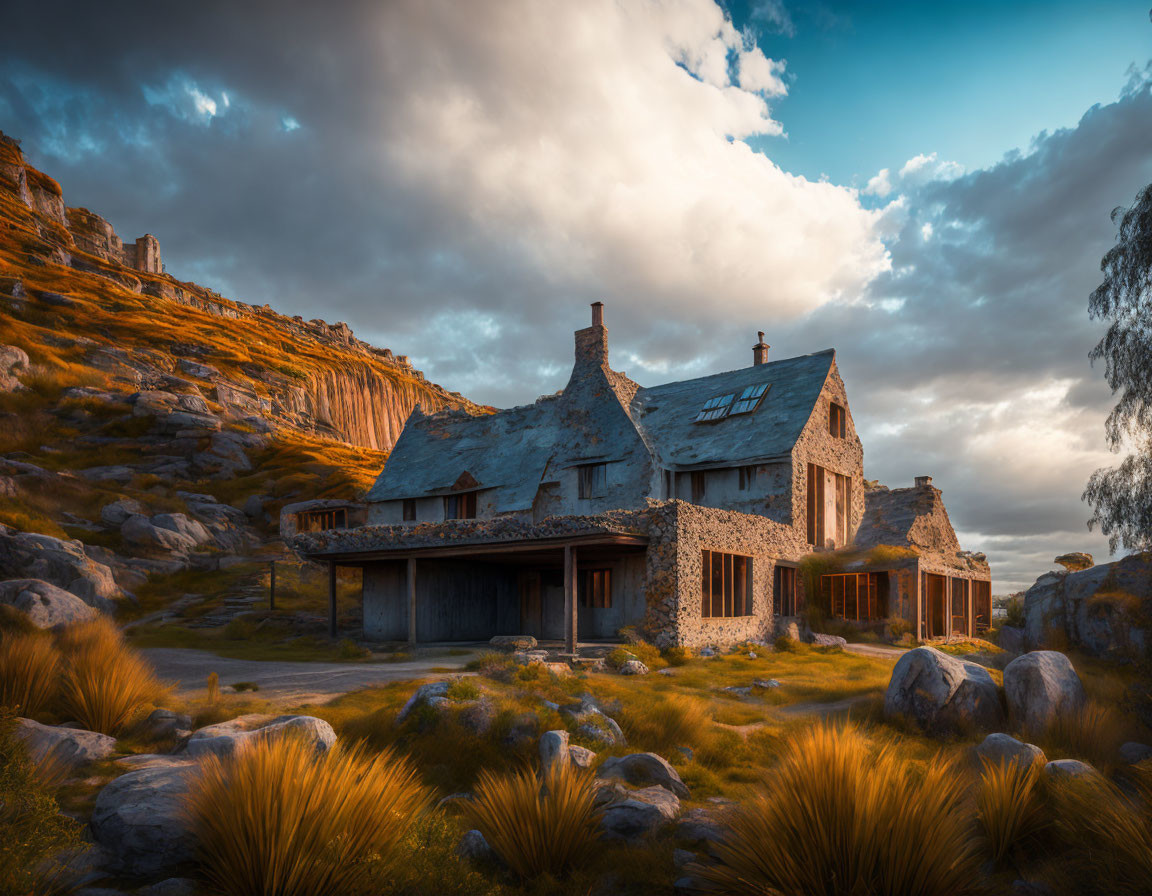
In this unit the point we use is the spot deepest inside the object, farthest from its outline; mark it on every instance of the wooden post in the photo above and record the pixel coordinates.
(919, 604)
(271, 584)
(332, 598)
(411, 600)
(971, 614)
(570, 626)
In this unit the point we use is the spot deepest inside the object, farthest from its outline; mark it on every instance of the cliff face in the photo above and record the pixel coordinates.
(81, 297)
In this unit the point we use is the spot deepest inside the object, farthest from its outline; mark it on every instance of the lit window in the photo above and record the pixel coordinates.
(750, 399)
(716, 408)
(726, 585)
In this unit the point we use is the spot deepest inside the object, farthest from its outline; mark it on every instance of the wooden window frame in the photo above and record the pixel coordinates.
(786, 597)
(852, 596)
(981, 604)
(725, 585)
(837, 420)
(460, 506)
(596, 589)
(322, 520)
(592, 480)
(408, 510)
(817, 522)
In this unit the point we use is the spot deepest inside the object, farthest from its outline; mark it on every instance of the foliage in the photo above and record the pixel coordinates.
(33, 832)
(279, 819)
(1121, 497)
(1011, 808)
(1015, 611)
(463, 689)
(662, 725)
(106, 684)
(29, 679)
(1106, 834)
(836, 817)
(676, 655)
(431, 865)
(537, 827)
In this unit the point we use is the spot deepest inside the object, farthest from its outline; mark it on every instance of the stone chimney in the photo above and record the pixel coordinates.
(923, 481)
(760, 350)
(592, 342)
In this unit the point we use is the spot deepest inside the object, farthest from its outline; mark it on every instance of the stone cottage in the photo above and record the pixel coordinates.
(683, 509)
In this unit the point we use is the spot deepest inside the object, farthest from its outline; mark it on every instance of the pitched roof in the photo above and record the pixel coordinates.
(666, 413)
(907, 517)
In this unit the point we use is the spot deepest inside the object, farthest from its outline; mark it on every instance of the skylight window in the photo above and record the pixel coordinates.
(750, 399)
(716, 408)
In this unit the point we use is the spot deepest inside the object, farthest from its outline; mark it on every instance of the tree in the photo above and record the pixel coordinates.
(1121, 496)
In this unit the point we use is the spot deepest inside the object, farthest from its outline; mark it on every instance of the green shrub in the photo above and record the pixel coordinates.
(537, 828)
(463, 689)
(618, 656)
(276, 818)
(1015, 611)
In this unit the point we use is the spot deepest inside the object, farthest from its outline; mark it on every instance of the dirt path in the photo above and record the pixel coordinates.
(291, 682)
(879, 650)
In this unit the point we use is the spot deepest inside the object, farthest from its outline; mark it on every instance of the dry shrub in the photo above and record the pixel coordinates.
(1106, 833)
(1011, 808)
(106, 684)
(1094, 733)
(537, 827)
(662, 725)
(29, 679)
(278, 818)
(836, 817)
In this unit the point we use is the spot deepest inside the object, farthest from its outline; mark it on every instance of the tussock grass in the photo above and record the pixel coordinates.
(661, 725)
(1093, 734)
(106, 684)
(836, 817)
(537, 827)
(29, 672)
(279, 819)
(1011, 808)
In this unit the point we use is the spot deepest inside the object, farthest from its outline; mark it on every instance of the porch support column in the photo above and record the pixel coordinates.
(411, 600)
(969, 600)
(570, 621)
(332, 598)
(918, 600)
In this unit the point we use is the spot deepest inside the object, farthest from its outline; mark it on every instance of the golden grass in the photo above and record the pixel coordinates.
(279, 819)
(537, 827)
(1093, 734)
(661, 725)
(1011, 808)
(29, 667)
(837, 817)
(106, 684)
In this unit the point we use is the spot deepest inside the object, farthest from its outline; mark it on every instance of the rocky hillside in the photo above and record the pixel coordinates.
(151, 427)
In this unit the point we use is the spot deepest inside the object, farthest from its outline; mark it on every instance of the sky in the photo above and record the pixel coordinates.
(924, 187)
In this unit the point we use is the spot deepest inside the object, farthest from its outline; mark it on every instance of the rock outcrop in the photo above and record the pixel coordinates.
(226, 738)
(46, 605)
(27, 555)
(72, 747)
(941, 694)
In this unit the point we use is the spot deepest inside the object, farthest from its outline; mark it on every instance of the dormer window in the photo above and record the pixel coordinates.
(409, 510)
(593, 480)
(460, 507)
(836, 420)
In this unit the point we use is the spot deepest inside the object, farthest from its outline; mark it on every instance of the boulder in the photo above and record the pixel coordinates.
(140, 531)
(225, 738)
(820, 639)
(581, 757)
(1010, 639)
(173, 886)
(140, 820)
(71, 746)
(997, 748)
(1133, 753)
(45, 604)
(62, 562)
(633, 814)
(942, 694)
(117, 512)
(476, 716)
(167, 723)
(424, 693)
(592, 724)
(182, 525)
(474, 848)
(1075, 561)
(1069, 768)
(508, 643)
(1038, 687)
(13, 363)
(700, 827)
(642, 770)
(633, 667)
(553, 748)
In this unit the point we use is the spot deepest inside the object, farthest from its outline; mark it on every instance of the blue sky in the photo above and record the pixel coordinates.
(458, 182)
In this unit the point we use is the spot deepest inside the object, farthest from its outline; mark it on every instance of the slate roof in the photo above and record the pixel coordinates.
(906, 517)
(510, 450)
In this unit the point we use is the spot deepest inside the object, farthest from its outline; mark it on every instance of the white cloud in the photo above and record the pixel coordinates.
(880, 184)
(921, 169)
(602, 144)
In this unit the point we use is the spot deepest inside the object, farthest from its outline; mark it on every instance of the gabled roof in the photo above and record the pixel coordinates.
(907, 517)
(666, 413)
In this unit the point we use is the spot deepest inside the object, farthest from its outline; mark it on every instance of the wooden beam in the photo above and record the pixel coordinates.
(570, 623)
(332, 598)
(541, 545)
(411, 600)
(971, 608)
(916, 598)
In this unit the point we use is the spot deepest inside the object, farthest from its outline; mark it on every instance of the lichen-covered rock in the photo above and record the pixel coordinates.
(140, 820)
(822, 640)
(46, 605)
(71, 746)
(13, 364)
(1075, 561)
(942, 694)
(226, 738)
(997, 748)
(508, 643)
(633, 814)
(167, 723)
(592, 724)
(633, 667)
(642, 770)
(1040, 686)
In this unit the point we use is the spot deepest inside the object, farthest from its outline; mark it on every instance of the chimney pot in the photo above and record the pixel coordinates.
(760, 351)
(922, 481)
(597, 314)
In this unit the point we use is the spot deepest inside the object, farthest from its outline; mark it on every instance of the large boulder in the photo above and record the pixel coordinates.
(433, 690)
(1040, 686)
(72, 747)
(226, 738)
(172, 532)
(140, 820)
(1063, 769)
(1101, 609)
(592, 724)
(642, 770)
(942, 694)
(632, 814)
(13, 363)
(46, 605)
(1002, 748)
(62, 562)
